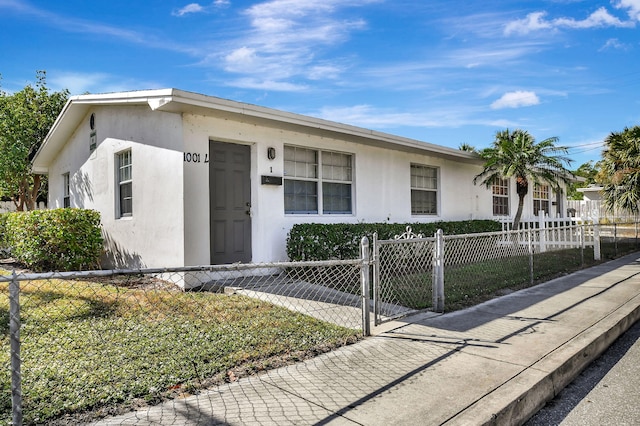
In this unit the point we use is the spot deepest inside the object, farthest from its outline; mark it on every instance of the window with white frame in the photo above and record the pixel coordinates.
(66, 194)
(124, 183)
(500, 189)
(424, 190)
(541, 197)
(317, 181)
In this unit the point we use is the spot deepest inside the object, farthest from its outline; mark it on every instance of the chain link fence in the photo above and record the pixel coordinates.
(81, 346)
(480, 266)
(617, 239)
(414, 273)
(403, 275)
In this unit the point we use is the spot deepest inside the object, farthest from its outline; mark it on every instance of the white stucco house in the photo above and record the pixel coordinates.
(186, 179)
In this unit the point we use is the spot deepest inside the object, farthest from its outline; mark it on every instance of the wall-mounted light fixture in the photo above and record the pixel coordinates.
(271, 153)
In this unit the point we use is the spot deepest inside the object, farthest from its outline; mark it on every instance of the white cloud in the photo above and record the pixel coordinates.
(632, 6)
(240, 60)
(371, 117)
(286, 38)
(261, 84)
(198, 8)
(533, 22)
(599, 18)
(190, 8)
(537, 21)
(516, 99)
(79, 82)
(323, 72)
(613, 43)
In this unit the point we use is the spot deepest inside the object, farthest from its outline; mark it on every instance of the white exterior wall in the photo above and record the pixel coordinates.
(527, 208)
(594, 194)
(170, 225)
(381, 186)
(153, 235)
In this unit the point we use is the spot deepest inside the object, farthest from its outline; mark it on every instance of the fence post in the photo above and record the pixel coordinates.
(364, 281)
(615, 239)
(530, 244)
(14, 336)
(438, 273)
(542, 225)
(376, 280)
(581, 236)
(596, 240)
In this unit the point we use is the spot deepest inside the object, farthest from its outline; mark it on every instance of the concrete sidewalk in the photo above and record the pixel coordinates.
(496, 363)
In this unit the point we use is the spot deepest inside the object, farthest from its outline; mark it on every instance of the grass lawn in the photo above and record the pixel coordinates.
(473, 283)
(99, 349)
(94, 349)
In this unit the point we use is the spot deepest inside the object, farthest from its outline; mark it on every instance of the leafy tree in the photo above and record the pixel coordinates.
(25, 119)
(621, 163)
(516, 154)
(590, 172)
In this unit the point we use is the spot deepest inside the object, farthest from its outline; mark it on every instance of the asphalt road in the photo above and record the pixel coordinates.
(606, 393)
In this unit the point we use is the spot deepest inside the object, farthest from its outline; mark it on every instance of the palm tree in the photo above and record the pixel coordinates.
(516, 154)
(467, 147)
(621, 162)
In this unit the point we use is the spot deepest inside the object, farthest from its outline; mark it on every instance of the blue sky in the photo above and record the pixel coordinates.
(441, 71)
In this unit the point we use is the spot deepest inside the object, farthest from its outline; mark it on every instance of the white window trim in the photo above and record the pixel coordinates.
(506, 184)
(536, 197)
(436, 191)
(120, 183)
(66, 193)
(319, 180)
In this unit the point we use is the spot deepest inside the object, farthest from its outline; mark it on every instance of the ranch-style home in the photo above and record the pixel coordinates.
(184, 179)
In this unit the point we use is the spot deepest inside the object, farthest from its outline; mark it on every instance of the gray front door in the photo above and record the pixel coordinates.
(230, 202)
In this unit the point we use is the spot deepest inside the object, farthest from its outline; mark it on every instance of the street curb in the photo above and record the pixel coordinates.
(543, 380)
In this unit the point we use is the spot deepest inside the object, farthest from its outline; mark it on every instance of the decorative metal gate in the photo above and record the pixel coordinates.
(407, 275)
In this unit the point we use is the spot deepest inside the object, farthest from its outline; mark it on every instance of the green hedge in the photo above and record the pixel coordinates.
(55, 240)
(315, 241)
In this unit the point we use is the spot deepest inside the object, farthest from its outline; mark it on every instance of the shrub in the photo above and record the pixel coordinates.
(55, 240)
(315, 241)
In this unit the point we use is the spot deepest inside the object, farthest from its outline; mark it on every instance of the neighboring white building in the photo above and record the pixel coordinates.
(592, 206)
(591, 192)
(187, 179)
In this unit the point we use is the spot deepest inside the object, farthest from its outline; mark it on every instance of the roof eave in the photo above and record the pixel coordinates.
(178, 101)
(181, 101)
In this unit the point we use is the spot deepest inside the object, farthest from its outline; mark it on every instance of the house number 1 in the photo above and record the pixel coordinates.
(194, 157)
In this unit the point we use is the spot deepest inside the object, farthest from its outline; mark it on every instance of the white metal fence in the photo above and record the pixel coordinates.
(595, 210)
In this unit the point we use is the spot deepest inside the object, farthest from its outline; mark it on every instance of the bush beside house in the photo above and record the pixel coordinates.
(53, 240)
(315, 241)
